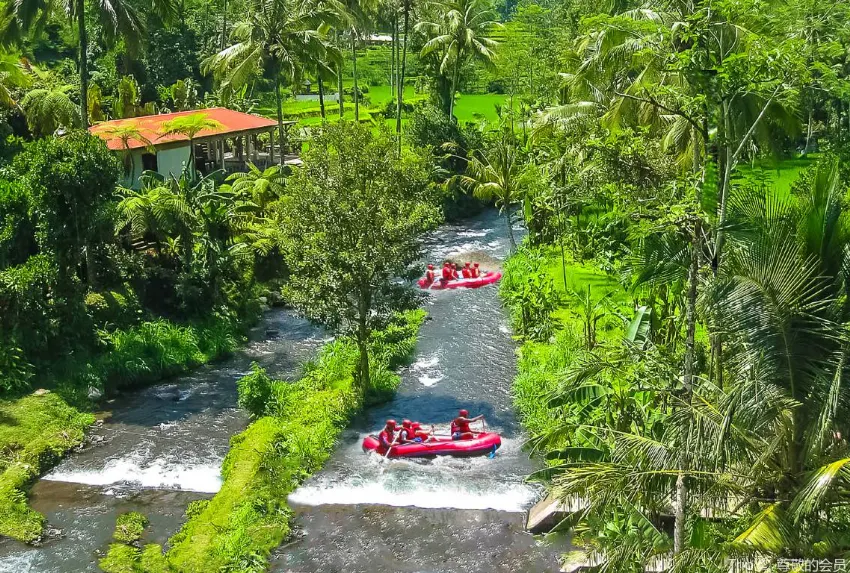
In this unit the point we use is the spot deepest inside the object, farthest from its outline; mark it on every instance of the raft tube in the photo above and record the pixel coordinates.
(482, 444)
(487, 278)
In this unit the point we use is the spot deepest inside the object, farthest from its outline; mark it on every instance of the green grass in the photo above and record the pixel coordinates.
(468, 108)
(478, 107)
(542, 364)
(248, 517)
(35, 432)
(779, 175)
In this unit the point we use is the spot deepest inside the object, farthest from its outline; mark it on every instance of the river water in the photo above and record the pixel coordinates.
(364, 513)
(160, 449)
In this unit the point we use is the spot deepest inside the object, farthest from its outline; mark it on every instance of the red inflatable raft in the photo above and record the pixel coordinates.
(482, 444)
(487, 278)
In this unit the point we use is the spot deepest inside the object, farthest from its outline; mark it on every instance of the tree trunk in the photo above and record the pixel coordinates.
(224, 25)
(453, 89)
(364, 308)
(808, 134)
(91, 267)
(679, 523)
(321, 93)
(339, 84)
(281, 137)
(393, 51)
(510, 229)
(401, 76)
(354, 73)
(84, 64)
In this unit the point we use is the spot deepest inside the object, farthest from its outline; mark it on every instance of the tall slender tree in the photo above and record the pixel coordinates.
(277, 37)
(117, 19)
(457, 34)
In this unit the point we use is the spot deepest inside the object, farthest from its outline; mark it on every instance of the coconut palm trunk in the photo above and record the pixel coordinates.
(401, 75)
(281, 137)
(354, 72)
(84, 64)
(321, 94)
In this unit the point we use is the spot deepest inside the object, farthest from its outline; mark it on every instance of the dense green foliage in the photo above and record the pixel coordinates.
(684, 312)
(35, 432)
(352, 221)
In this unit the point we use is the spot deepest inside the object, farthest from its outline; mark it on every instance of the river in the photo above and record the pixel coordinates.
(158, 449)
(364, 513)
(162, 448)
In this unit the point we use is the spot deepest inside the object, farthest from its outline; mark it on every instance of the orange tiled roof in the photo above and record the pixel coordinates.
(150, 126)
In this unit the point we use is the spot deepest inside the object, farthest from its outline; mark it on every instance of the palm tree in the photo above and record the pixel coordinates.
(117, 18)
(767, 452)
(498, 174)
(190, 126)
(278, 37)
(126, 132)
(458, 34)
(12, 75)
(47, 109)
(261, 187)
(625, 72)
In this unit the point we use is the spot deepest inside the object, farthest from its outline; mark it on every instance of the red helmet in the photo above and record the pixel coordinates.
(391, 424)
(476, 264)
(467, 264)
(431, 267)
(415, 425)
(406, 423)
(464, 413)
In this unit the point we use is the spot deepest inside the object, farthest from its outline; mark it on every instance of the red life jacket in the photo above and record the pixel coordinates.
(476, 272)
(460, 425)
(429, 276)
(467, 273)
(447, 273)
(386, 438)
(408, 435)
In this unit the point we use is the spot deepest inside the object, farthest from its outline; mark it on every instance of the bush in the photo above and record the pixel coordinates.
(129, 527)
(255, 389)
(530, 294)
(112, 309)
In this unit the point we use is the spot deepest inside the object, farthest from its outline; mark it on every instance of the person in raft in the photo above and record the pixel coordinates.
(429, 274)
(406, 435)
(455, 274)
(466, 271)
(387, 437)
(460, 425)
(476, 272)
(420, 434)
(447, 272)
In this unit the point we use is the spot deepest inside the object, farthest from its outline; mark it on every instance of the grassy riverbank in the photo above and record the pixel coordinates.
(544, 360)
(291, 438)
(37, 430)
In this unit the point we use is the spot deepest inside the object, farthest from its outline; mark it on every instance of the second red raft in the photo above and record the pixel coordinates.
(487, 278)
(481, 444)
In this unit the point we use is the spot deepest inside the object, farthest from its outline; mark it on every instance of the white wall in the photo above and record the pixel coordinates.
(172, 161)
(136, 154)
(168, 162)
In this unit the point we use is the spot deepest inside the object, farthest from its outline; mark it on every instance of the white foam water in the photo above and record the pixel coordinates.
(158, 473)
(461, 495)
(429, 381)
(26, 562)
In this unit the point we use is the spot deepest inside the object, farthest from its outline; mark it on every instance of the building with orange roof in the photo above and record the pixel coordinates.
(242, 137)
